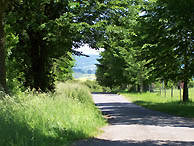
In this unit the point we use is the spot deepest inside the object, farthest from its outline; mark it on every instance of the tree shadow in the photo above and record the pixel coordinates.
(129, 113)
(125, 113)
(101, 142)
(113, 92)
(173, 107)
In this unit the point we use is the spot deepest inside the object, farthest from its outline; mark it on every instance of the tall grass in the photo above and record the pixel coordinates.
(34, 119)
(167, 104)
(95, 87)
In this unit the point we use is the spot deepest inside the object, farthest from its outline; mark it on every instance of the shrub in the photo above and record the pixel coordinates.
(95, 87)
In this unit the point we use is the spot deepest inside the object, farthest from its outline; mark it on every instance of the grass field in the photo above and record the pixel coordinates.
(167, 104)
(35, 119)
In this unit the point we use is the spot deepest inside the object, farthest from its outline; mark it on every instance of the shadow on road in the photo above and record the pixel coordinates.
(103, 92)
(100, 142)
(128, 113)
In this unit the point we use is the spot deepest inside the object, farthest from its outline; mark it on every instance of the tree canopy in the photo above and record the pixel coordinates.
(166, 40)
(144, 41)
(48, 30)
(155, 44)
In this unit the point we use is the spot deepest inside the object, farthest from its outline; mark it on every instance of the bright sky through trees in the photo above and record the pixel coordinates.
(88, 51)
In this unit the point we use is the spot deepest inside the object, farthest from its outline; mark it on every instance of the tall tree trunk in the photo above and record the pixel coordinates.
(40, 67)
(185, 88)
(185, 91)
(141, 81)
(141, 88)
(38, 64)
(171, 91)
(2, 55)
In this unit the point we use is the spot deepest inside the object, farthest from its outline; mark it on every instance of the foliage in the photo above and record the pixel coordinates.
(12, 73)
(95, 87)
(166, 41)
(37, 32)
(46, 31)
(143, 41)
(191, 84)
(156, 43)
(119, 66)
(110, 72)
(63, 67)
(3, 7)
(34, 119)
(170, 105)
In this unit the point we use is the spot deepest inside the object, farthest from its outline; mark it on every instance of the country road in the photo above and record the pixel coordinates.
(132, 125)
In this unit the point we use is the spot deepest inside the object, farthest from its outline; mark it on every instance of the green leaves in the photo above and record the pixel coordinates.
(168, 32)
(118, 65)
(74, 5)
(166, 42)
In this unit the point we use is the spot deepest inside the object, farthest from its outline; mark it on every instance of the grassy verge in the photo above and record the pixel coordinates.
(34, 119)
(95, 87)
(170, 105)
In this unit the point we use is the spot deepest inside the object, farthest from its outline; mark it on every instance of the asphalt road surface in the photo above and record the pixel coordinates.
(132, 125)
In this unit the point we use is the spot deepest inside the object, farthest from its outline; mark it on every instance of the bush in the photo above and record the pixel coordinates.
(34, 119)
(95, 87)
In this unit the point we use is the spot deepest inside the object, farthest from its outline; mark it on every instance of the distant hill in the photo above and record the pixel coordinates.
(85, 65)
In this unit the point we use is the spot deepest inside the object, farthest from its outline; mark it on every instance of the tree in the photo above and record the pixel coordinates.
(3, 6)
(63, 67)
(48, 30)
(110, 71)
(166, 40)
(119, 65)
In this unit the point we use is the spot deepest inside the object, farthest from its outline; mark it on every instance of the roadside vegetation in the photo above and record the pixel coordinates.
(166, 104)
(38, 40)
(54, 119)
(95, 87)
(136, 54)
